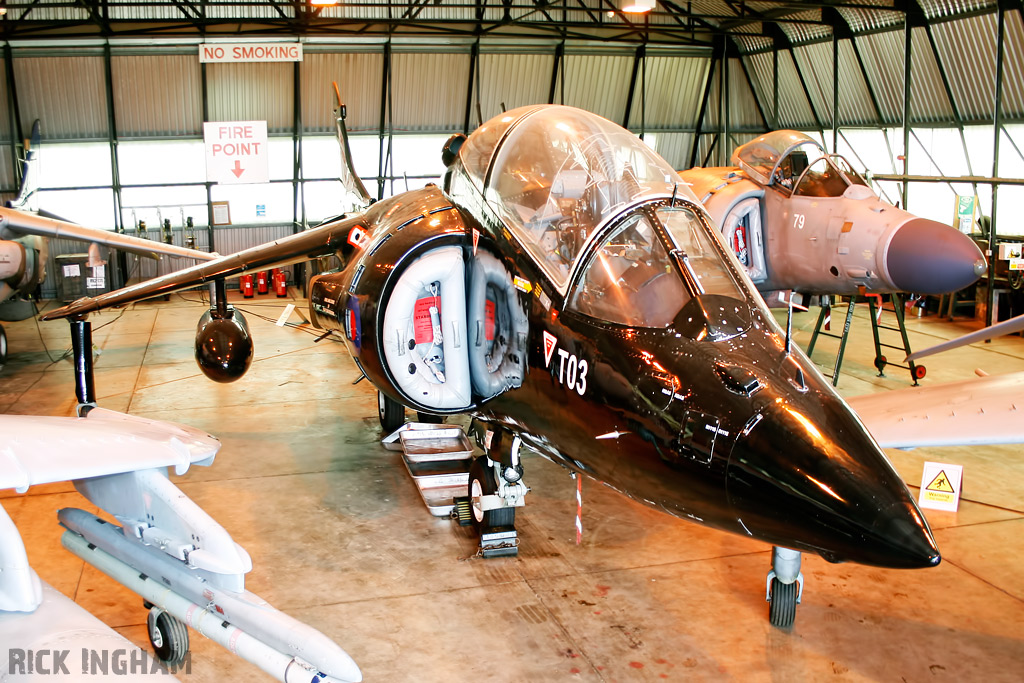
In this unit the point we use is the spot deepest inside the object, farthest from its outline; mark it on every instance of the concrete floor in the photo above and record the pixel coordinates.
(341, 540)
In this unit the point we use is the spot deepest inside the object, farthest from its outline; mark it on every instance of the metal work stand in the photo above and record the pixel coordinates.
(916, 371)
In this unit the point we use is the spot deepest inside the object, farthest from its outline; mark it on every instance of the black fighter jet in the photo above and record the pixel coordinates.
(565, 289)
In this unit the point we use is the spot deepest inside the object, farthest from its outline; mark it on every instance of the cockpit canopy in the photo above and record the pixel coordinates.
(554, 174)
(794, 162)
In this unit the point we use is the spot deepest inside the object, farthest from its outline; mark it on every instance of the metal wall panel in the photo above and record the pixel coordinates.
(5, 117)
(674, 86)
(429, 90)
(358, 75)
(862, 19)
(514, 80)
(794, 109)
(675, 148)
(597, 83)
(815, 63)
(883, 62)
(762, 75)
(967, 49)
(65, 93)
(855, 107)
(805, 32)
(157, 95)
(928, 100)
(252, 92)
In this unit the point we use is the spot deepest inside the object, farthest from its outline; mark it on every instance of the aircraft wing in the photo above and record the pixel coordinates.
(21, 222)
(42, 450)
(978, 411)
(323, 240)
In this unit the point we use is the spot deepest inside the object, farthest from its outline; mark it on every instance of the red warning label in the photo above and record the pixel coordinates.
(489, 320)
(423, 328)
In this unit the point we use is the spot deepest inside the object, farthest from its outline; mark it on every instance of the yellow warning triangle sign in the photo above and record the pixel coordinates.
(940, 483)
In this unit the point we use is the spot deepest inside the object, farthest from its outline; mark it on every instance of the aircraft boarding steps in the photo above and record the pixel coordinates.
(437, 457)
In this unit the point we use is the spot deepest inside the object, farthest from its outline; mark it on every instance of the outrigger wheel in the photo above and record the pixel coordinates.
(169, 637)
(391, 413)
(483, 483)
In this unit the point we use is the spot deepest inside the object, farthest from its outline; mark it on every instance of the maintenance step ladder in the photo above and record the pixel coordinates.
(437, 457)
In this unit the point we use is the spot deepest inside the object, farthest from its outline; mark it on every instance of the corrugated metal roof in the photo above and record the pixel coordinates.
(429, 91)
(252, 92)
(597, 83)
(674, 86)
(804, 32)
(358, 76)
(65, 93)
(512, 79)
(934, 9)
(863, 19)
(157, 95)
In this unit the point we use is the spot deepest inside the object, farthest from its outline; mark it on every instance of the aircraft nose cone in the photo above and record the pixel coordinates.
(927, 257)
(791, 483)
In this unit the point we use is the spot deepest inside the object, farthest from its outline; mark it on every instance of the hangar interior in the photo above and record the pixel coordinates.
(925, 98)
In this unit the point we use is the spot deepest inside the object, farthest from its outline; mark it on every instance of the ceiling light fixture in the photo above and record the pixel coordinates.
(636, 6)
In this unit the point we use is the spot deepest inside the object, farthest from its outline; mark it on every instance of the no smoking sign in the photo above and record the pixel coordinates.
(236, 152)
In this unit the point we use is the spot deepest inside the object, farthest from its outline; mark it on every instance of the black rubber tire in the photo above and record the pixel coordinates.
(427, 418)
(880, 363)
(782, 605)
(3, 347)
(482, 483)
(169, 638)
(390, 413)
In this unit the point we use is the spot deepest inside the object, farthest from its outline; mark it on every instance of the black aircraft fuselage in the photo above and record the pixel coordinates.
(700, 412)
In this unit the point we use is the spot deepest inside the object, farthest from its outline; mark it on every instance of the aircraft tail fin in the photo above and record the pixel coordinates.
(29, 170)
(349, 178)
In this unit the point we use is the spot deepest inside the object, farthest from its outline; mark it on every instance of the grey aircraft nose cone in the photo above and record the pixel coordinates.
(928, 257)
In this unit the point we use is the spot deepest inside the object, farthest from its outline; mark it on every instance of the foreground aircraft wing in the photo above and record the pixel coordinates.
(1006, 327)
(978, 411)
(42, 450)
(320, 241)
(20, 222)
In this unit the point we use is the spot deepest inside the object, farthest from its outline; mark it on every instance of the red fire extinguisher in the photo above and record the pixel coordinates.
(245, 284)
(280, 283)
(261, 282)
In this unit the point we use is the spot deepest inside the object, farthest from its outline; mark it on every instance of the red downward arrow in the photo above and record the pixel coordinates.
(238, 170)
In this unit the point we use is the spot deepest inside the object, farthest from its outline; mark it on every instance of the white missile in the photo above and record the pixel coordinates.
(242, 622)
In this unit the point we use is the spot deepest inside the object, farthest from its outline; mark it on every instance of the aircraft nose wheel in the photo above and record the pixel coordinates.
(483, 483)
(784, 587)
(169, 637)
(782, 604)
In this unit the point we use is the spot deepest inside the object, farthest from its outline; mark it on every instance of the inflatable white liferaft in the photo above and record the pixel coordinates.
(498, 328)
(424, 333)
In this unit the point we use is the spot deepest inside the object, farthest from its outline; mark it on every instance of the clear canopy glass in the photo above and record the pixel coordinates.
(555, 174)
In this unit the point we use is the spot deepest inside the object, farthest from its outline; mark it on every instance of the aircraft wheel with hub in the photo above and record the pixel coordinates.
(782, 605)
(3, 347)
(168, 636)
(391, 413)
(482, 483)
